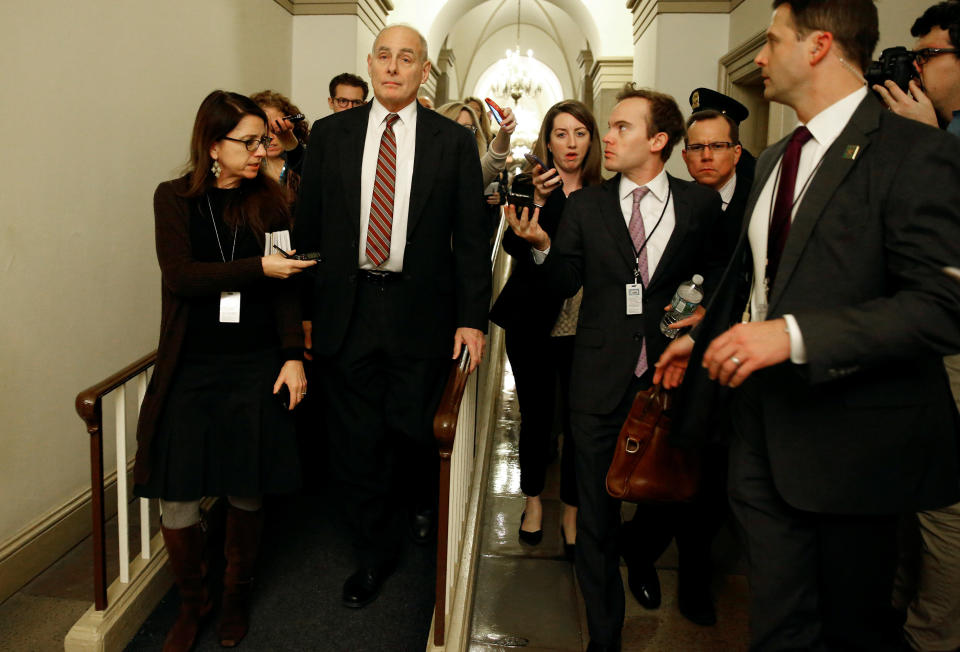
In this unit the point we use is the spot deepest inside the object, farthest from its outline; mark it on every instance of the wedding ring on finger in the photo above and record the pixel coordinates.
(735, 360)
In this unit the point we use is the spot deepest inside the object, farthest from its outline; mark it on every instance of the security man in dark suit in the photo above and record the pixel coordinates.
(629, 242)
(391, 199)
(843, 415)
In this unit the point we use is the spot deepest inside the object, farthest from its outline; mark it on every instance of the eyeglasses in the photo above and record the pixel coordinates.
(472, 128)
(719, 146)
(343, 102)
(925, 54)
(253, 143)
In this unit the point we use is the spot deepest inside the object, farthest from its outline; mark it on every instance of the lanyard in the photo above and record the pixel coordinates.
(214, 223)
(803, 188)
(636, 270)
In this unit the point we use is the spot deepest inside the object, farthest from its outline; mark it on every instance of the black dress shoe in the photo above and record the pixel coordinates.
(695, 602)
(644, 585)
(569, 549)
(423, 525)
(532, 538)
(599, 647)
(364, 586)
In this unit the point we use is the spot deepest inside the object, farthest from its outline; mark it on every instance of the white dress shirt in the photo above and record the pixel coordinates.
(655, 203)
(825, 127)
(405, 130)
(727, 190)
(651, 207)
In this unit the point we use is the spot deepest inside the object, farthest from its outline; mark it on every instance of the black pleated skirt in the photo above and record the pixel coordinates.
(222, 432)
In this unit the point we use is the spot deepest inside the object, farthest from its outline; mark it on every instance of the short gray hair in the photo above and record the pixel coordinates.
(423, 41)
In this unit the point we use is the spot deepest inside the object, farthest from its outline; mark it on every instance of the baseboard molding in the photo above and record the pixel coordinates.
(40, 544)
(128, 606)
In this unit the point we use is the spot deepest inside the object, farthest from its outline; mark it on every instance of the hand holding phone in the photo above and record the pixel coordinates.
(313, 255)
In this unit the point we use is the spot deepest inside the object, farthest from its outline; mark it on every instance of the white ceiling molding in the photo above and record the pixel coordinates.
(645, 11)
(372, 13)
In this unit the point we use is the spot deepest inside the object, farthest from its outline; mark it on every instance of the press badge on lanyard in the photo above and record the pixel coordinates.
(229, 307)
(634, 299)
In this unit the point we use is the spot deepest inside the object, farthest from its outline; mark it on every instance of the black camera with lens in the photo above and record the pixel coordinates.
(895, 63)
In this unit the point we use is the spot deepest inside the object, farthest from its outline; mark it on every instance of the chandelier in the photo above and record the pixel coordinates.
(515, 79)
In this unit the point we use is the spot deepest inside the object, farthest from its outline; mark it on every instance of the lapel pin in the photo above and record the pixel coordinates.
(851, 152)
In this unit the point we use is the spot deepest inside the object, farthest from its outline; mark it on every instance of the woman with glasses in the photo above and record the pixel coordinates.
(539, 327)
(284, 160)
(492, 158)
(215, 419)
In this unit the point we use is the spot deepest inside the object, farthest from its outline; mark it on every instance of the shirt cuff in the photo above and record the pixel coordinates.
(539, 256)
(798, 351)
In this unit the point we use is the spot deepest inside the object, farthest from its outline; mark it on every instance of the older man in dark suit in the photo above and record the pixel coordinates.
(629, 242)
(843, 413)
(392, 199)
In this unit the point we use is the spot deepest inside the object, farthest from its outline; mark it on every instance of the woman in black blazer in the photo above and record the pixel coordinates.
(540, 327)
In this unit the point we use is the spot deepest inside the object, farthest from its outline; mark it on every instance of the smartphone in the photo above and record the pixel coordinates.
(533, 160)
(495, 110)
(313, 255)
(283, 397)
(294, 118)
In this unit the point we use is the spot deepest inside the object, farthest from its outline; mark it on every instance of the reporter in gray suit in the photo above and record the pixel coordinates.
(843, 413)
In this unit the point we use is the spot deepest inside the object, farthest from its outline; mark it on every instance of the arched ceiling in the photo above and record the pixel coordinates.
(482, 35)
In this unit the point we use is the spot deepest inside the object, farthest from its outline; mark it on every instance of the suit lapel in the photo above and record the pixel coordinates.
(353, 136)
(833, 170)
(765, 167)
(682, 218)
(612, 218)
(425, 161)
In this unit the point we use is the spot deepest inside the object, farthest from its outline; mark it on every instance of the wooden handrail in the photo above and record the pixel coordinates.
(89, 406)
(445, 431)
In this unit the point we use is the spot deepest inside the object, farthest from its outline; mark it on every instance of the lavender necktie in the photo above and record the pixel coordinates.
(638, 235)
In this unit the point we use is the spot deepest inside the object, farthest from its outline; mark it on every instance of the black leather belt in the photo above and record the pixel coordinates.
(377, 276)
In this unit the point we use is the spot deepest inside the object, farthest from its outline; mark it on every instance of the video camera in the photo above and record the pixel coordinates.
(895, 63)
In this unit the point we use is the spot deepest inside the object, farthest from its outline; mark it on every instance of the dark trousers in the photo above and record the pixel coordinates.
(540, 364)
(817, 581)
(694, 525)
(598, 519)
(379, 408)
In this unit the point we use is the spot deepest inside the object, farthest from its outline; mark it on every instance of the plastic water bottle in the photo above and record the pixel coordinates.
(685, 301)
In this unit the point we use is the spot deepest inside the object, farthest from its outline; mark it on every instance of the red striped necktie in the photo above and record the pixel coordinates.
(381, 206)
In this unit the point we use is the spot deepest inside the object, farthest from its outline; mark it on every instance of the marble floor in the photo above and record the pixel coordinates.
(527, 596)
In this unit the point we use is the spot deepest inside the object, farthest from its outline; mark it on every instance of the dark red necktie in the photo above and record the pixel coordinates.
(783, 206)
(381, 206)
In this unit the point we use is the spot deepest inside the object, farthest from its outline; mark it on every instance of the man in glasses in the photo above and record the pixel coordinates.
(933, 604)
(346, 92)
(715, 157)
(937, 93)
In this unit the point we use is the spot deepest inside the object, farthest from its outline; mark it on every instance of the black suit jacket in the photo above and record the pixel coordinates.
(445, 282)
(593, 249)
(868, 424)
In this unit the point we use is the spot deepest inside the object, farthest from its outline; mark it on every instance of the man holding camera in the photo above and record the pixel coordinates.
(933, 615)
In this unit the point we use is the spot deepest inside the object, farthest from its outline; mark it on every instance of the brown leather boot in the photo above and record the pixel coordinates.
(185, 548)
(240, 549)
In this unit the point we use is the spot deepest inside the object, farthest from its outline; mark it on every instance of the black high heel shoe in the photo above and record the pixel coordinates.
(569, 549)
(531, 538)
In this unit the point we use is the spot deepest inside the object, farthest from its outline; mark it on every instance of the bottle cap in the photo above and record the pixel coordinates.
(697, 279)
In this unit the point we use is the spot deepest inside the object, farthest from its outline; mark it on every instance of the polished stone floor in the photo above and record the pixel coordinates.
(527, 596)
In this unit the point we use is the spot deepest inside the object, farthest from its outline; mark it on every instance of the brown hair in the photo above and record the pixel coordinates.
(282, 103)
(348, 79)
(590, 170)
(218, 114)
(664, 115)
(853, 23)
(484, 117)
(452, 110)
(711, 114)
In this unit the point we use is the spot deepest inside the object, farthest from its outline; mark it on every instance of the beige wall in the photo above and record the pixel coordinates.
(99, 99)
(324, 47)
